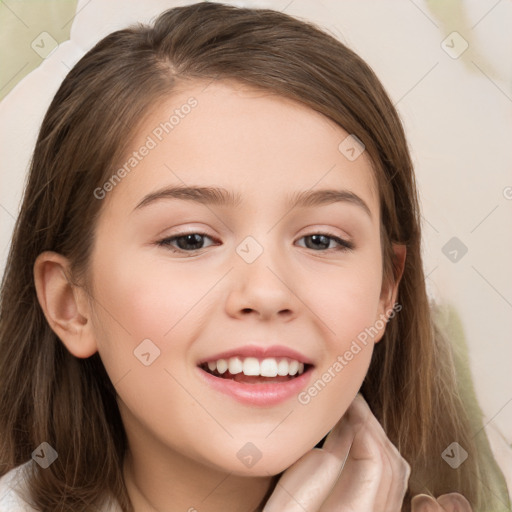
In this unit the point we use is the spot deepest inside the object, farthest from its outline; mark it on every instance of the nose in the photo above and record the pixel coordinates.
(261, 288)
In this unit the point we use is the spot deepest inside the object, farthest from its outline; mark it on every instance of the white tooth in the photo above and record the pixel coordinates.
(251, 366)
(282, 367)
(293, 367)
(301, 368)
(212, 365)
(222, 365)
(268, 368)
(235, 365)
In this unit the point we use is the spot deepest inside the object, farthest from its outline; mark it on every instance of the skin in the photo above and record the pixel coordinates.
(183, 435)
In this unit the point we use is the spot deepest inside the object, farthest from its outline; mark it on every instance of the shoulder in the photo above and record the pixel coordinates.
(12, 488)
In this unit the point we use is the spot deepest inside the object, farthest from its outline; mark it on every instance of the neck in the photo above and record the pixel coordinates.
(188, 490)
(161, 479)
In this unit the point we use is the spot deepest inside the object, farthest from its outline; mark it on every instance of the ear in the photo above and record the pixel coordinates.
(64, 305)
(389, 290)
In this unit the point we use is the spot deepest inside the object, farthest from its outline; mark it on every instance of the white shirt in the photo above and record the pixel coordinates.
(13, 487)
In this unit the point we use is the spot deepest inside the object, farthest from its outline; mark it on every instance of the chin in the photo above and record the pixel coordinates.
(249, 461)
(259, 470)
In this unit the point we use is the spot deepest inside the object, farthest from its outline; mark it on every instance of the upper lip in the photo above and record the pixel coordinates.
(259, 352)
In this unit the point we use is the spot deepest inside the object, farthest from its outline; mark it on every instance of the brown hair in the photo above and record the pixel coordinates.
(50, 395)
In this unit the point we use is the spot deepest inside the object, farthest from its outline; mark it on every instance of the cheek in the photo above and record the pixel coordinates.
(139, 309)
(346, 299)
(144, 325)
(147, 300)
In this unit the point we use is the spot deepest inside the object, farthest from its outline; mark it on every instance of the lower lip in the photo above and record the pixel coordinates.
(264, 394)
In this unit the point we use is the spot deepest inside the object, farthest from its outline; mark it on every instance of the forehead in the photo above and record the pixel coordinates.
(252, 141)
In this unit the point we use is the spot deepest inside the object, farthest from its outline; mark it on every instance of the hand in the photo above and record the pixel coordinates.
(357, 470)
(374, 479)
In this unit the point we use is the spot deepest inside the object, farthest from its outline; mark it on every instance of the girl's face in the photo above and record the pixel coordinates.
(273, 262)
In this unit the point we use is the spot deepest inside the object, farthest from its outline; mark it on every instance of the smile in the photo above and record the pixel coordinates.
(255, 382)
(242, 369)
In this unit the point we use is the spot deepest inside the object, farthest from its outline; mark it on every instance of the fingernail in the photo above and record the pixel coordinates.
(424, 503)
(454, 502)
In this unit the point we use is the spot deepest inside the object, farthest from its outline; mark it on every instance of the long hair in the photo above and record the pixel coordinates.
(49, 395)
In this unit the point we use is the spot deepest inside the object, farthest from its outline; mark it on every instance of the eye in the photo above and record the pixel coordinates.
(185, 242)
(189, 242)
(323, 241)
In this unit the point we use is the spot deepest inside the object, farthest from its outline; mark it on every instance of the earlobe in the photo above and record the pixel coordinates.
(64, 304)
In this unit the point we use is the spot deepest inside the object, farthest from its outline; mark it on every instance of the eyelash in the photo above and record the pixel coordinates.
(343, 245)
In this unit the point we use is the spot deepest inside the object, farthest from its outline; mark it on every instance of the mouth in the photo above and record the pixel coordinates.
(256, 375)
(252, 370)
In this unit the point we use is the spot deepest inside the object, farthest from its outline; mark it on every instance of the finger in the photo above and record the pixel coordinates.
(425, 503)
(396, 471)
(454, 502)
(359, 482)
(306, 483)
(340, 439)
(375, 475)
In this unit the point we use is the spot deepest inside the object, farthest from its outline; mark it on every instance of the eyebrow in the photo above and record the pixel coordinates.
(221, 197)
